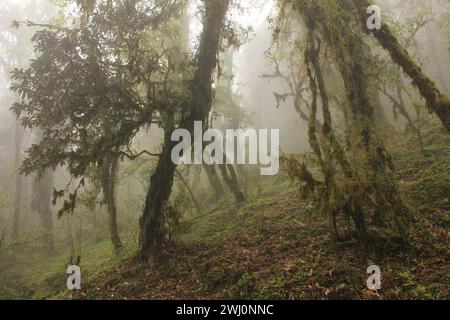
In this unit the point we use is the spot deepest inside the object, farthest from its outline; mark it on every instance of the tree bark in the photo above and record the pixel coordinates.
(436, 100)
(109, 171)
(152, 220)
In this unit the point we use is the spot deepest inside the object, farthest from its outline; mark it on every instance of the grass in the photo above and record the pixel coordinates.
(38, 276)
(273, 247)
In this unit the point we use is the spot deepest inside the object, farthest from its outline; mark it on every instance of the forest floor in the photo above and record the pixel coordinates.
(276, 247)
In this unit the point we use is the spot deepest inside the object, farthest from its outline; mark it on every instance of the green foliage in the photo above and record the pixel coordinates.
(431, 169)
(352, 173)
(91, 90)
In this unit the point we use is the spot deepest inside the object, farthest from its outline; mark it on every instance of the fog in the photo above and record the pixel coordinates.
(246, 82)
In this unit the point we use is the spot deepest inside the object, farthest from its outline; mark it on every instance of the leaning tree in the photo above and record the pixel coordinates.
(92, 89)
(357, 178)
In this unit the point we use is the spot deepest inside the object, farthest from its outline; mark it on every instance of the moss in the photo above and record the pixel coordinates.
(364, 188)
(433, 185)
(436, 100)
(45, 278)
(274, 290)
(244, 288)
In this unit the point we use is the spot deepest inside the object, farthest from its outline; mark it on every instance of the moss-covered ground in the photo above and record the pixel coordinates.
(275, 246)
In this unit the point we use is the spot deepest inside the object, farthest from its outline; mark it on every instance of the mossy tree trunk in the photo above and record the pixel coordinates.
(436, 100)
(109, 174)
(152, 221)
(379, 196)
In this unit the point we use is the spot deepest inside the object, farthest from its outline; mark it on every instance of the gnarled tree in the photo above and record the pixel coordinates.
(92, 89)
(197, 108)
(436, 100)
(367, 189)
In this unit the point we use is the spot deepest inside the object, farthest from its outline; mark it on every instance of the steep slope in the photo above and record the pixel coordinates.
(277, 247)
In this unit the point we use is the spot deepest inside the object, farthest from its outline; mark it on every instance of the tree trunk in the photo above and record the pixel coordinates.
(42, 197)
(365, 145)
(152, 220)
(109, 171)
(18, 135)
(436, 100)
(230, 177)
(214, 181)
(41, 200)
(188, 187)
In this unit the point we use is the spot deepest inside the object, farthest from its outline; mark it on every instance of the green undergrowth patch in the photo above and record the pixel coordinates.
(277, 246)
(40, 276)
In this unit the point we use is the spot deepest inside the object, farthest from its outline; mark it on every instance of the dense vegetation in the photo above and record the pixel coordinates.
(91, 100)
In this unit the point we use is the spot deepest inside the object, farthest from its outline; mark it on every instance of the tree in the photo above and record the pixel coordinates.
(199, 105)
(15, 52)
(233, 117)
(92, 89)
(108, 179)
(436, 100)
(364, 187)
(18, 135)
(41, 200)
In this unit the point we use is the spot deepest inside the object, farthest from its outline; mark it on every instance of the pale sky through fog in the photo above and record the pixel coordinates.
(251, 14)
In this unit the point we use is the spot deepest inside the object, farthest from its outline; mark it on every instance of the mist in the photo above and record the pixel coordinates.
(92, 91)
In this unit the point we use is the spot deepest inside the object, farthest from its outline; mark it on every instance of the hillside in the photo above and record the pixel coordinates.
(276, 247)
(273, 247)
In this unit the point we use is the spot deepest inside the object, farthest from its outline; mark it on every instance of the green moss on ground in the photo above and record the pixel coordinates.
(276, 247)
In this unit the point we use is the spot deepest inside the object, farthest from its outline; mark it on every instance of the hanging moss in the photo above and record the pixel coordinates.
(367, 192)
(152, 222)
(436, 100)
